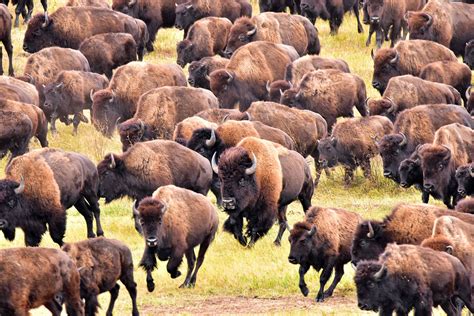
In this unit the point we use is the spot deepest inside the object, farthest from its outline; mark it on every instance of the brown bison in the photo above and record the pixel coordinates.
(469, 54)
(444, 22)
(101, 263)
(410, 277)
(279, 28)
(406, 92)
(329, 92)
(70, 94)
(206, 37)
(245, 77)
(465, 206)
(296, 70)
(61, 28)
(18, 90)
(277, 88)
(258, 180)
(88, 3)
(189, 12)
(118, 102)
(16, 130)
(406, 58)
(323, 241)
(199, 70)
(6, 38)
(107, 51)
(279, 6)
(146, 166)
(184, 130)
(353, 143)
(414, 127)
(410, 173)
(32, 277)
(174, 222)
(40, 186)
(453, 146)
(159, 110)
(465, 179)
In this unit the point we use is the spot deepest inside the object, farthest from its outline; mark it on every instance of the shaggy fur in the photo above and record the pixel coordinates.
(6, 38)
(276, 89)
(199, 70)
(18, 90)
(88, 3)
(16, 131)
(296, 70)
(184, 129)
(465, 206)
(216, 115)
(330, 232)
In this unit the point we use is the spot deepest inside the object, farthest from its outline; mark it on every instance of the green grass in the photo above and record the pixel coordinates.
(230, 271)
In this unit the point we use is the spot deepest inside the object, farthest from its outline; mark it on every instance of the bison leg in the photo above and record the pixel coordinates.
(52, 121)
(92, 305)
(148, 262)
(425, 196)
(395, 33)
(83, 209)
(72, 295)
(355, 9)
(44, 3)
(447, 202)
(34, 234)
(369, 37)
(114, 292)
(379, 37)
(349, 175)
(173, 264)
(234, 225)
(339, 272)
(202, 252)
(57, 227)
(75, 123)
(54, 308)
(450, 308)
(93, 206)
(323, 279)
(305, 195)
(365, 166)
(129, 282)
(302, 284)
(191, 260)
(282, 223)
(7, 43)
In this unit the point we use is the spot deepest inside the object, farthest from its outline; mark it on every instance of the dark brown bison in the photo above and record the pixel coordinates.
(279, 6)
(406, 58)
(469, 54)
(40, 186)
(18, 90)
(278, 28)
(444, 22)
(6, 38)
(410, 173)
(455, 74)
(246, 75)
(332, 10)
(470, 100)
(394, 284)
(107, 51)
(174, 222)
(453, 146)
(323, 241)
(249, 189)
(70, 94)
(88, 3)
(146, 166)
(61, 28)
(159, 110)
(189, 12)
(277, 88)
(414, 127)
(407, 224)
(296, 70)
(16, 130)
(206, 37)
(329, 92)
(465, 206)
(101, 263)
(118, 102)
(184, 130)
(465, 179)
(353, 143)
(406, 92)
(32, 277)
(199, 70)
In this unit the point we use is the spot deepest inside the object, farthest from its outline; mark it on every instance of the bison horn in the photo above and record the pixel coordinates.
(214, 166)
(268, 86)
(113, 97)
(208, 78)
(372, 54)
(91, 95)
(429, 19)
(46, 20)
(32, 80)
(290, 84)
(379, 274)
(165, 208)
(391, 109)
(211, 141)
(249, 117)
(281, 92)
(404, 140)
(312, 231)
(225, 118)
(252, 31)
(189, 6)
(367, 102)
(253, 168)
(230, 76)
(449, 249)
(21, 186)
(471, 171)
(60, 85)
(135, 208)
(371, 232)
(395, 59)
(468, 93)
(112, 164)
(131, 3)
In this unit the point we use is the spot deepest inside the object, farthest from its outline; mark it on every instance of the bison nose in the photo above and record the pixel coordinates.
(227, 53)
(152, 241)
(375, 19)
(228, 203)
(428, 187)
(25, 48)
(323, 163)
(3, 223)
(376, 84)
(292, 260)
(362, 306)
(178, 26)
(404, 184)
(462, 192)
(191, 81)
(181, 63)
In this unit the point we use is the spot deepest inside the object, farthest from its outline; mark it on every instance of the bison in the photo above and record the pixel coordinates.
(279, 28)
(143, 168)
(353, 143)
(40, 186)
(18, 90)
(465, 179)
(296, 70)
(16, 130)
(118, 102)
(470, 101)
(405, 92)
(245, 77)
(184, 130)
(469, 54)
(323, 241)
(406, 58)
(70, 94)
(6, 38)
(206, 37)
(101, 263)
(410, 173)
(107, 51)
(249, 189)
(279, 6)
(175, 221)
(199, 70)
(159, 110)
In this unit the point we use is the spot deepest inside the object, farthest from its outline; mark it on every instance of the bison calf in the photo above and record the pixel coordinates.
(6, 38)
(174, 222)
(465, 179)
(199, 70)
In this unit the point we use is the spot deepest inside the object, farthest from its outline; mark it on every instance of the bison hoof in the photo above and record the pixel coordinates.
(320, 297)
(277, 243)
(242, 241)
(304, 291)
(150, 286)
(176, 274)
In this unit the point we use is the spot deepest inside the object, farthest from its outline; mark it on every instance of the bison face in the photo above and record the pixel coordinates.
(369, 242)
(150, 215)
(243, 32)
(104, 111)
(436, 166)
(236, 171)
(185, 16)
(39, 34)
(197, 75)
(224, 87)
(328, 152)
(410, 172)
(265, 5)
(469, 54)
(54, 97)
(10, 207)
(465, 179)
(288, 98)
(312, 9)
(277, 88)
(392, 149)
(206, 142)
(369, 283)
(375, 11)
(134, 131)
(185, 50)
(385, 67)
(384, 106)
(128, 7)
(420, 26)
(111, 178)
(301, 243)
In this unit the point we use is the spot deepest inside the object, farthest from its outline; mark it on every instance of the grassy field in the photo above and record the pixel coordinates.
(233, 279)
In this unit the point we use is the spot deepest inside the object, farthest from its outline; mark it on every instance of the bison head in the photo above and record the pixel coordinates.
(420, 26)
(312, 9)
(198, 75)
(237, 177)
(223, 85)
(369, 241)
(437, 168)
(111, 178)
(392, 148)
(288, 98)
(465, 179)
(105, 115)
(40, 34)
(469, 54)
(186, 15)
(54, 97)
(301, 244)
(150, 215)
(206, 142)
(375, 11)
(384, 106)
(242, 32)
(385, 67)
(328, 152)
(370, 286)
(129, 7)
(410, 172)
(10, 208)
(277, 88)
(439, 243)
(133, 131)
(185, 51)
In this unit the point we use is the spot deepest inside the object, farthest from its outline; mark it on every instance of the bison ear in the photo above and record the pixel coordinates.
(333, 141)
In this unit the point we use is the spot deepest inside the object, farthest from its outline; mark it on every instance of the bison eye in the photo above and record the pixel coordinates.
(363, 243)
(371, 284)
(441, 166)
(11, 203)
(242, 182)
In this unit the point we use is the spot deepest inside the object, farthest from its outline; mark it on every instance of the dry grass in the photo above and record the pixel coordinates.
(229, 270)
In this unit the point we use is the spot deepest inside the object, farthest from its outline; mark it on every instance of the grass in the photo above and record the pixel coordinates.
(229, 270)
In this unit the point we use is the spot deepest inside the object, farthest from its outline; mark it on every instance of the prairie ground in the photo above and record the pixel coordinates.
(232, 280)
